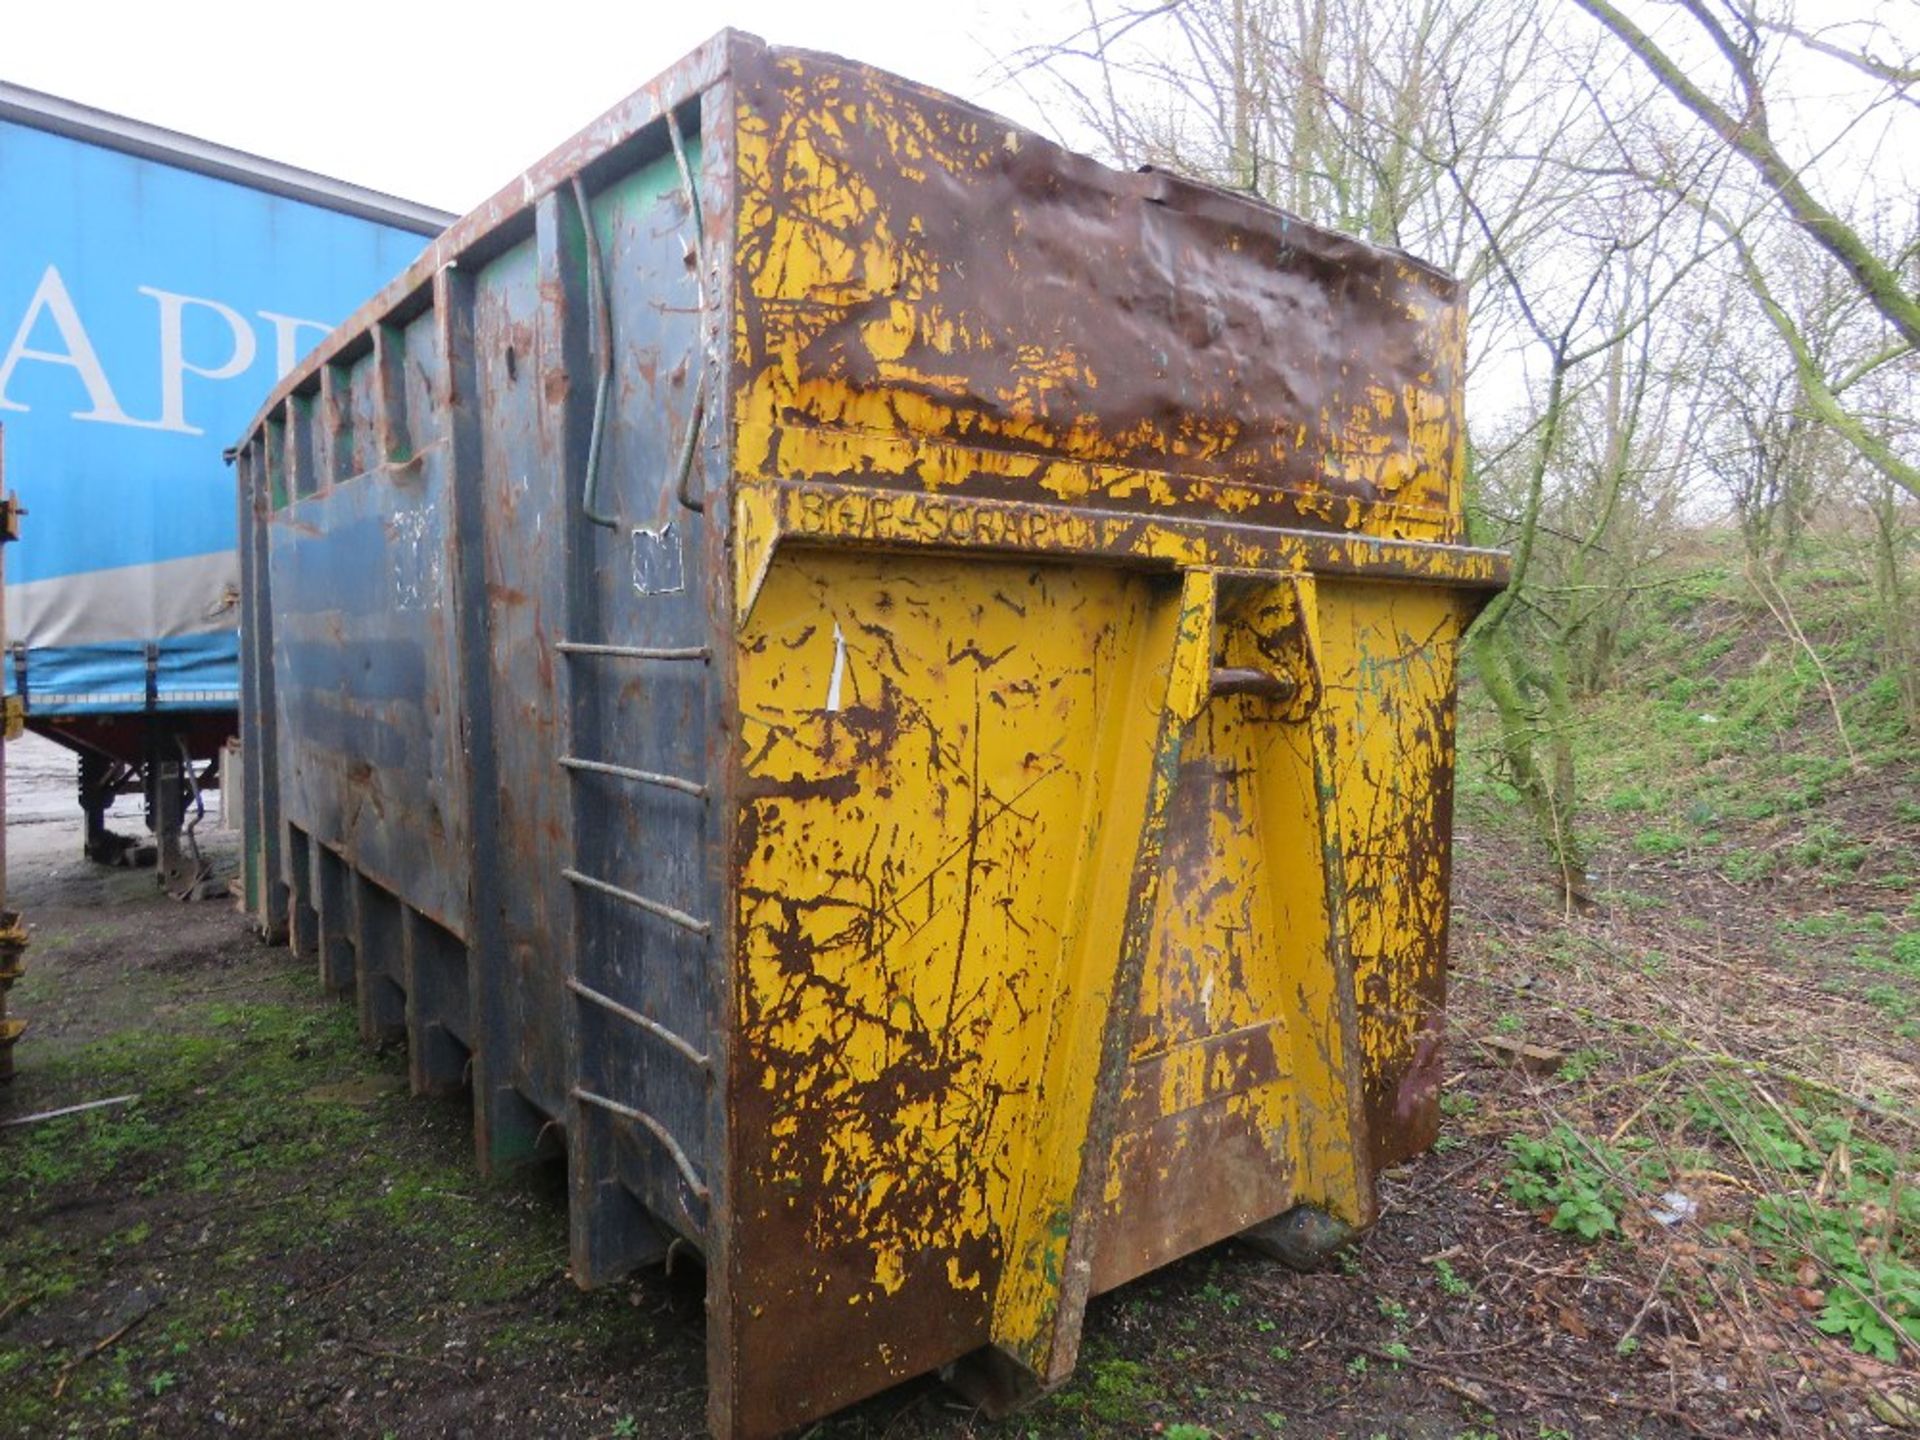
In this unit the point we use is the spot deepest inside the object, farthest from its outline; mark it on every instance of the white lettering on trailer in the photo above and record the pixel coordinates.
(174, 365)
(286, 343)
(51, 300)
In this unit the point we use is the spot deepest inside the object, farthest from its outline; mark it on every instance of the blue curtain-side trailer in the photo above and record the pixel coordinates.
(152, 286)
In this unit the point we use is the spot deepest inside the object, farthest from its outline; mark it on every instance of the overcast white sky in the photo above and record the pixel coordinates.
(444, 103)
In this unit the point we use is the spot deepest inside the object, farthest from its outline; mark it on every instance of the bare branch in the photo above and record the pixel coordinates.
(1897, 73)
(1748, 136)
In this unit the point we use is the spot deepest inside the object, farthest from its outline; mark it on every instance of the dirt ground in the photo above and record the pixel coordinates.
(275, 1239)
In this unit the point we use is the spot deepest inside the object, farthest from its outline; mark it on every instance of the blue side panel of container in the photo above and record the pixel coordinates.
(144, 309)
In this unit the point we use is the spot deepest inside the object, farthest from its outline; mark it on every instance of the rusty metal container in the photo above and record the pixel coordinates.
(890, 689)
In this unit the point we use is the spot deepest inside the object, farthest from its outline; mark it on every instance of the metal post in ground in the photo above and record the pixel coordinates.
(13, 933)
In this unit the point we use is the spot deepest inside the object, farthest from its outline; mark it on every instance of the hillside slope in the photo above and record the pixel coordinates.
(1729, 1127)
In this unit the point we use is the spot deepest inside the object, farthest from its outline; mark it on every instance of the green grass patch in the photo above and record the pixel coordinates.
(1660, 844)
(1108, 1391)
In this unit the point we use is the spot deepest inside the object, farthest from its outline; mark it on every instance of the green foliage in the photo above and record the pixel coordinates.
(1863, 1231)
(1892, 1000)
(1630, 799)
(1826, 848)
(1214, 1294)
(1715, 748)
(1820, 926)
(216, 1105)
(240, 1105)
(1744, 866)
(1882, 962)
(1852, 1312)
(1582, 1063)
(1449, 1282)
(1710, 677)
(1570, 1174)
(1877, 711)
(1863, 1240)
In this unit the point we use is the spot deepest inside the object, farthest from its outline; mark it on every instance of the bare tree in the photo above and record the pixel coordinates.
(1472, 134)
(1739, 32)
(1527, 647)
(1657, 336)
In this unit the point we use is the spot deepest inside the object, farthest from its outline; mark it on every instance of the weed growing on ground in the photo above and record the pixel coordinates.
(1449, 1282)
(1572, 1175)
(1839, 1201)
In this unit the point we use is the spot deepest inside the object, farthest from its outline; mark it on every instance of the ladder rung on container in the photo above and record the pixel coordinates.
(636, 652)
(641, 902)
(653, 1027)
(654, 1128)
(641, 777)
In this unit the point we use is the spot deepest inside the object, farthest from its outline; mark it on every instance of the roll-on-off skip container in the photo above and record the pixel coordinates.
(888, 688)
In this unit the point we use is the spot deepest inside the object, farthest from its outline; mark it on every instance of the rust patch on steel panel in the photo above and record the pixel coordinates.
(1213, 1152)
(1388, 725)
(839, 514)
(905, 844)
(914, 268)
(1200, 1072)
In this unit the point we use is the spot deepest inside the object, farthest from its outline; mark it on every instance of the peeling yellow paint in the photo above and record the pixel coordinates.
(1090, 866)
(838, 254)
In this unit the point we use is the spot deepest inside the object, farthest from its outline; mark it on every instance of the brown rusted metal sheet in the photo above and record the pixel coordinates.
(921, 270)
(889, 689)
